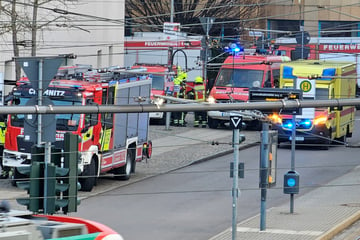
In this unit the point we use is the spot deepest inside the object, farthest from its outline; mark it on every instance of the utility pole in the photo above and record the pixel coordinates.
(264, 168)
(293, 146)
(235, 124)
(172, 11)
(206, 24)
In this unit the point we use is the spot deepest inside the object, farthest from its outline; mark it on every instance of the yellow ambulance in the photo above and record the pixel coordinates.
(318, 80)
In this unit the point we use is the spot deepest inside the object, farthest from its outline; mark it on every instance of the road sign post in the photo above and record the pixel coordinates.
(235, 124)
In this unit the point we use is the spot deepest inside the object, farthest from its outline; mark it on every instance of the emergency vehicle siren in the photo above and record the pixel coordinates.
(234, 48)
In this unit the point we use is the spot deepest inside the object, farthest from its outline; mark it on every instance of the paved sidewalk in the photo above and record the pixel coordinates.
(319, 214)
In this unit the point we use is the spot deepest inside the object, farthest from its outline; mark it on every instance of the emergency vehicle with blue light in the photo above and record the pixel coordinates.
(321, 80)
(236, 76)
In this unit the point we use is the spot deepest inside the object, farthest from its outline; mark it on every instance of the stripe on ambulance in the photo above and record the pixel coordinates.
(347, 111)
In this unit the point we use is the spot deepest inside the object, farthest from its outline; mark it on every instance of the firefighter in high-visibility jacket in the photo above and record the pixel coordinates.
(198, 94)
(179, 92)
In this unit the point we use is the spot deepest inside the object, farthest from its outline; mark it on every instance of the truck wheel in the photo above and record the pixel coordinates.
(123, 173)
(326, 143)
(88, 178)
(162, 121)
(213, 123)
(340, 141)
(4, 172)
(348, 133)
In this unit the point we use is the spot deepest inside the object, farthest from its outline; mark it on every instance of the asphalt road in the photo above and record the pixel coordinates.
(195, 202)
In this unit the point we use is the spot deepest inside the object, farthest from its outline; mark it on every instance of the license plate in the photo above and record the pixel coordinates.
(297, 138)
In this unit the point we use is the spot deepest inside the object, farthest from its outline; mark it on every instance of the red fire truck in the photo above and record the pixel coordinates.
(236, 75)
(162, 83)
(110, 142)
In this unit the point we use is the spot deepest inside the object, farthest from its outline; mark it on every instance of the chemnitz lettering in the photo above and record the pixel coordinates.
(56, 93)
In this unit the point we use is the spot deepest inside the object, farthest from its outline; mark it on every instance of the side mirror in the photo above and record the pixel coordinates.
(85, 129)
(16, 101)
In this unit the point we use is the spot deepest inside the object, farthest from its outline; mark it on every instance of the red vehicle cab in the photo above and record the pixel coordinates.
(236, 75)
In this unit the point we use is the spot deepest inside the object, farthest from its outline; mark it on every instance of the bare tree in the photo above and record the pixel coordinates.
(149, 15)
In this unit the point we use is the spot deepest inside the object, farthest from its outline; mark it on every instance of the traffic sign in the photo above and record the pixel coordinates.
(235, 122)
(272, 94)
(206, 23)
(31, 66)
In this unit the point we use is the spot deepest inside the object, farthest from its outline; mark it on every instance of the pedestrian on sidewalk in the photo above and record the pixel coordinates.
(179, 92)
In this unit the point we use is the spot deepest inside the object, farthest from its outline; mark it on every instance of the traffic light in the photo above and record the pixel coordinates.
(52, 186)
(35, 183)
(71, 157)
(241, 169)
(56, 187)
(34, 186)
(63, 177)
(291, 182)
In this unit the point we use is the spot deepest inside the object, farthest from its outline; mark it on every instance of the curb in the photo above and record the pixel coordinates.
(220, 154)
(330, 234)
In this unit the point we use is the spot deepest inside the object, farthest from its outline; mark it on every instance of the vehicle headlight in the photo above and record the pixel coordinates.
(275, 118)
(320, 120)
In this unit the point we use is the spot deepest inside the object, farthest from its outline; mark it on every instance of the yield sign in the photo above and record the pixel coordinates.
(235, 122)
(30, 66)
(206, 23)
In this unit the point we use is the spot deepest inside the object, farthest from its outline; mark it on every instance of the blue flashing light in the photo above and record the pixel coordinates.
(328, 72)
(234, 48)
(307, 122)
(237, 49)
(288, 125)
(288, 72)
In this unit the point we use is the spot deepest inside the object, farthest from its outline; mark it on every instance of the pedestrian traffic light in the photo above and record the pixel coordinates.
(241, 169)
(52, 186)
(34, 186)
(291, 182)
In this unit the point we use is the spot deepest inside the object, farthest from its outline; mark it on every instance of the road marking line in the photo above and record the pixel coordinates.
(280, 231)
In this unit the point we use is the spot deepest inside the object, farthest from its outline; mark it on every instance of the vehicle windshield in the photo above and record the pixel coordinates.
(158, 82)
(64, 122)
(241, 78)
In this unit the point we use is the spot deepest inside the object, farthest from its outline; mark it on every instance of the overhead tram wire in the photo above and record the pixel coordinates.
(123, 22)
(65, 12)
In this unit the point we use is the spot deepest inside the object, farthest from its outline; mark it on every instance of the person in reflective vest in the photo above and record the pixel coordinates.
(179, 92)
(198, 94)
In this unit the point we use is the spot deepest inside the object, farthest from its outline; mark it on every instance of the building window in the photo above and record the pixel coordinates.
(338, 29)
(288, 26)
